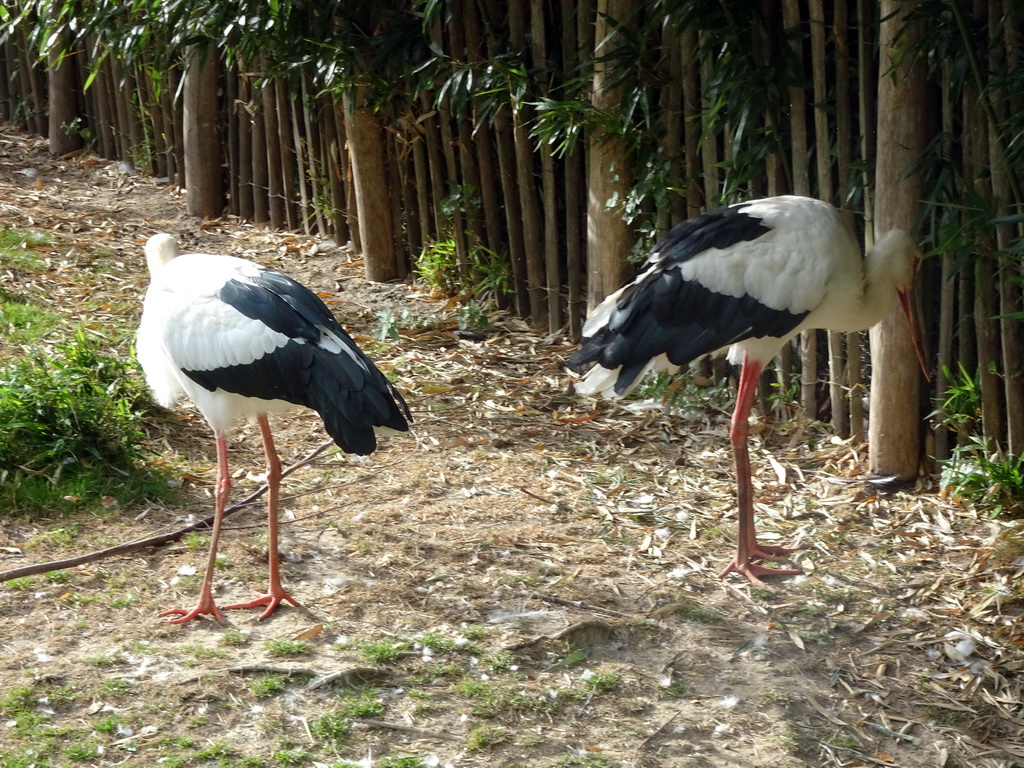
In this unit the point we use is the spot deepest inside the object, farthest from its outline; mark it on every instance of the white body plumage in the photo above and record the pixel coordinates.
(785, 264)
(186, 327)
(241, 340)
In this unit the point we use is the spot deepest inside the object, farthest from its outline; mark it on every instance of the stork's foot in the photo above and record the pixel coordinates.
(770, 552)
(272, 599)
(205, 607)
(754, 572)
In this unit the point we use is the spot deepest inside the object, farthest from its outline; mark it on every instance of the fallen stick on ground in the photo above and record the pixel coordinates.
(153, 541)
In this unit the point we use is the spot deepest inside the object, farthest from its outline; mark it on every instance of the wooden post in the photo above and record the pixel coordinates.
(370, 178)
(609, 237)
(203, 157)
(895, 420)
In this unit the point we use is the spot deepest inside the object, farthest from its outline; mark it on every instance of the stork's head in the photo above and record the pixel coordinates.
(904, 255)
(160, 249)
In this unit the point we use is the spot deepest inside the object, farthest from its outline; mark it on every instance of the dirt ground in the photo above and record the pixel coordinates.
(546, 564)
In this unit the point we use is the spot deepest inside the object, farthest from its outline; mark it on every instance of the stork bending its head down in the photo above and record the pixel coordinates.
(244, 341)
(748, 277)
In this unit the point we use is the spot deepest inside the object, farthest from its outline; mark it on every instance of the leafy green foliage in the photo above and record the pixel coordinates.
(681, 392)
(491, 275)
(961, 410)
(70, 426)
(976, 472)
(992, 480)
(437, 266)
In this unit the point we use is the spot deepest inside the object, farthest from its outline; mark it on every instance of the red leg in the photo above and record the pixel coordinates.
(747, 548)
(221, 493)
(275, 592)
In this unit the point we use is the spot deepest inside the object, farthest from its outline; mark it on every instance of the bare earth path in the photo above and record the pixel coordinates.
(546, 565)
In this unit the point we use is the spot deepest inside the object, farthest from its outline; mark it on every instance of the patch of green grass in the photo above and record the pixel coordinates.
(234, 639)
(108, 724)
(294, 756)
(364, 705)
(104, 661)
(216, 751)
(485, 737)
(501, 661)
(437, 670)
(64, 536)
(332, 727)
(23, 318)
(20, 701)
(203, 652)
(792, 741)
(586, 760)
(676, 690)
(575, 656)
(491, 698)
(79, 599)
(62, 696)
(837, 596)
(83, 752)
(286, 649)
(15, 248)
(116, 687)
(424, 704)
(679, 392)
(601, 681)
(697, 613)
(777, 696)
(635, 706)
(438, 643)
(401, 761)
(196, 540)
(385, 651)
(762, 594)
(265, 686)
(22, 758)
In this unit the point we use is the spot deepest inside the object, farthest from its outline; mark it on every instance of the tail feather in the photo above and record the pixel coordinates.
(355, 403)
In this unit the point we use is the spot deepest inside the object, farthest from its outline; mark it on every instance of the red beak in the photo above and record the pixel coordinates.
(915, 333)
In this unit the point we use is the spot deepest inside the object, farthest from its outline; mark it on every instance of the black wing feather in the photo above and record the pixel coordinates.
(663, 314)
(348, 391)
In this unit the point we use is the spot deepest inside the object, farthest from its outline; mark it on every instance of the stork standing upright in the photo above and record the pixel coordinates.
(748, 277)
(241, 340)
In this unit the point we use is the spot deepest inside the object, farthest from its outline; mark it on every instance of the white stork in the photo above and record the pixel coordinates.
(748, 277)
(241, 340)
